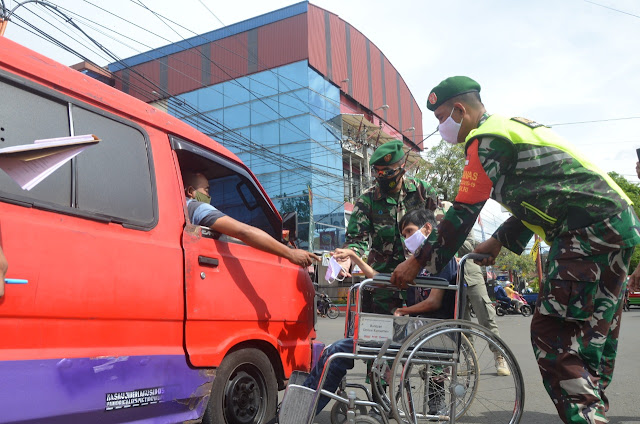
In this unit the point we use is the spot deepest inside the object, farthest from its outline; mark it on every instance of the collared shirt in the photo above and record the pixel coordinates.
(201, 213)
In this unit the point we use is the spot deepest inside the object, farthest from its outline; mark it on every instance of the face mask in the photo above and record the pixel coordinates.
(333, 271)
(449, 129)
(415, 241)
(201, 197)
(389, 184)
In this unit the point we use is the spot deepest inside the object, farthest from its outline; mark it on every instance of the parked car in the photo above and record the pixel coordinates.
(531, 299)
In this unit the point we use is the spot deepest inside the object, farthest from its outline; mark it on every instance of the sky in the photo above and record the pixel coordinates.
(561, 63)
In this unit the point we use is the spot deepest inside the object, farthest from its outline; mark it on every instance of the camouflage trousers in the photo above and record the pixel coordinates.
(574, 332)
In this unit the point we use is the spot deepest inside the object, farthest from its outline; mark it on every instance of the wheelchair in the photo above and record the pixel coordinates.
(423, 370)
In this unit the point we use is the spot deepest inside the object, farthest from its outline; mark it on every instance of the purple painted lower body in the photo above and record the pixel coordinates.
(316, 351)
(140, 389)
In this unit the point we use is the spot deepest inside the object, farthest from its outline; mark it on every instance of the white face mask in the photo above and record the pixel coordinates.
(333, 271)
(415, 241)
(449, 129)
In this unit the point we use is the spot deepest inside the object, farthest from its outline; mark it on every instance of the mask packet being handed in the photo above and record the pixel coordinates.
(333, 271)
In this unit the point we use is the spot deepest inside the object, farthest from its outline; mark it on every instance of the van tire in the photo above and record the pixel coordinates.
(245, 390)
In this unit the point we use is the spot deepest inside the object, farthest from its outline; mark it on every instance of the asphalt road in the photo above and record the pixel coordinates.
(623, 391)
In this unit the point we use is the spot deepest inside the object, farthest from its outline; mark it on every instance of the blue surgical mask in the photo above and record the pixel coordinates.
(449, 129)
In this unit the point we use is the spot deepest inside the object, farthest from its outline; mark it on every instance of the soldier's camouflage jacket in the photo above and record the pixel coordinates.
(374, 222)
(548, 187)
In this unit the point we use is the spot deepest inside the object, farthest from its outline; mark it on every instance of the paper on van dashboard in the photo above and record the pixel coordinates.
(29, 164)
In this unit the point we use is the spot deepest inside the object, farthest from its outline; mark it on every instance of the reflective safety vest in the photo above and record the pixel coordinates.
(549, 186)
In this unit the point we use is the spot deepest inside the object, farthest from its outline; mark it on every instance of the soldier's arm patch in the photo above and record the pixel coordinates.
(528, 122)
(475, 185)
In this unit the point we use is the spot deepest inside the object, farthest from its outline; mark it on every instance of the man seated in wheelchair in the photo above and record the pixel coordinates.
(415, 226)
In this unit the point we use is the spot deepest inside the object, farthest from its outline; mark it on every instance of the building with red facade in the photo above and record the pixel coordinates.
(300, 95)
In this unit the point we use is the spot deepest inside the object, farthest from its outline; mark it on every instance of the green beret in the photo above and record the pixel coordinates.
(388, 153)
(451, 87)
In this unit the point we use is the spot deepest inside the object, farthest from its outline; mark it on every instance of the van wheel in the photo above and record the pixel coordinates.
(245, 390)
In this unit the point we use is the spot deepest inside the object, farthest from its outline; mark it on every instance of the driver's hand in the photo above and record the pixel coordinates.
(302, 257)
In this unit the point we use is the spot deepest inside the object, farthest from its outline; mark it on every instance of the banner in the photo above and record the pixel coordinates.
(535, 249)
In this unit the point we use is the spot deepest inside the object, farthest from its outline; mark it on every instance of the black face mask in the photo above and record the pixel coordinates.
(388, 184)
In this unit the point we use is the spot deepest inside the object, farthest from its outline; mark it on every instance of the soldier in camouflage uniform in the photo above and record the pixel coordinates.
(588, 221)
(373, 225)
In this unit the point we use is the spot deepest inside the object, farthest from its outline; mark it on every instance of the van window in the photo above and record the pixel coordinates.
(113, 176)
(231, 187)
(24, 117)
(111, 181)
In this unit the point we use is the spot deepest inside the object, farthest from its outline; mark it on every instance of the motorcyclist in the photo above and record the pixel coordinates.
(323, 304)
(501, 295)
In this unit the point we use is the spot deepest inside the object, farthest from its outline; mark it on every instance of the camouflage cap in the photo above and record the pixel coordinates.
(451, 87)
(388, 153)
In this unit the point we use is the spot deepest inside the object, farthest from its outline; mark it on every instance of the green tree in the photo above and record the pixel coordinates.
(633, 191)
(522, 265)
(443, 168)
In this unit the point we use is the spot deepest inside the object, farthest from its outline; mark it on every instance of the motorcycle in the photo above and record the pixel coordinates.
(503, 307)
(626, 306)
(326, 307)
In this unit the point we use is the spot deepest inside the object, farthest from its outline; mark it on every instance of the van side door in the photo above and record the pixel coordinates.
(235, 293)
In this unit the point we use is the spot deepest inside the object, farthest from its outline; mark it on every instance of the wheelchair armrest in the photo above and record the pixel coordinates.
(435, 282)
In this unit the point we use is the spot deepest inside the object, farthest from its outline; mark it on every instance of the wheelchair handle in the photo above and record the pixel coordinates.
(474, 257)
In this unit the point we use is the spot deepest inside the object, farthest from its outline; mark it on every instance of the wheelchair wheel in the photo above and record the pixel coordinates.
(365, 419)
(379, 385)
(431, 381)
(333, 312)
(339, 412)
(433, 378)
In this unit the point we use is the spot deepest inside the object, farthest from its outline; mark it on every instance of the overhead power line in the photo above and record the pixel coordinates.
(594, 121)
(611, 8)
(230, 134)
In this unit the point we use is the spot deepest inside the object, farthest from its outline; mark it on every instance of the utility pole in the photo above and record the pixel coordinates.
(539, 261)
(311, 226)
(367, 168)
(5, 13)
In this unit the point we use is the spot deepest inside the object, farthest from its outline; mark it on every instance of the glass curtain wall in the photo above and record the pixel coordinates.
(279, 123)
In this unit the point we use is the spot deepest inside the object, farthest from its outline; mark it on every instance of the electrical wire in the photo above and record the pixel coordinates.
(595, 120)
(57, 42)
(611, 8)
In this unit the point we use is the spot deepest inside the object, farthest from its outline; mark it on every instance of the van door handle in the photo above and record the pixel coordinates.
(207, 261)
(15, 281)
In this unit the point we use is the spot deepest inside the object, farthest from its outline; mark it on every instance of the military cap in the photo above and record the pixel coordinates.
(451, 87)
(388, 153)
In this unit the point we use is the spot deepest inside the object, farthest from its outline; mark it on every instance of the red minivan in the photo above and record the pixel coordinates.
(125, 311)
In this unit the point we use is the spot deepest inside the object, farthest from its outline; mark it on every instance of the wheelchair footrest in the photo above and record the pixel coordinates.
(298, 377)
(297, 405)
